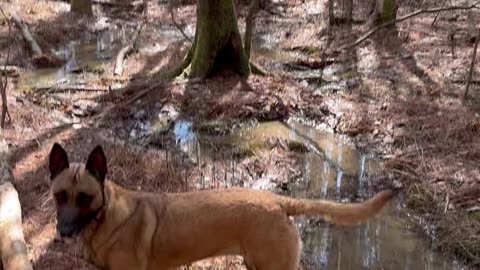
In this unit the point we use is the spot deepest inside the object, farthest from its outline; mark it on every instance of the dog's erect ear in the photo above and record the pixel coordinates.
(97, 163)
(58, 160)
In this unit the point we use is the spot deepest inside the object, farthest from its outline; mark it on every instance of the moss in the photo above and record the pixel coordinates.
(475, 215)
(214, 128)
(297, 146)
(468, 249)
(95, 67)
(218, 43)
(388, 11)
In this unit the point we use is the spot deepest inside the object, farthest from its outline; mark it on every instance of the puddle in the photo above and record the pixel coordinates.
(335, 170)
(85, 56)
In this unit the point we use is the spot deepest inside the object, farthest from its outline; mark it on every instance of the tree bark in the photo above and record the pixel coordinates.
(217, 45)
(347, 10)
(331, 13)
(13, 250)
(82, 7)
(383, 11)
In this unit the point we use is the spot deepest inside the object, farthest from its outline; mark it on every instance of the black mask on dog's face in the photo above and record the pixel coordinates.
(78, 189)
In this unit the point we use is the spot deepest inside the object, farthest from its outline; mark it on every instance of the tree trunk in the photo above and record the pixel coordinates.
(82, 7)
(383, 11)
(347, 11)
(13, 250)
(217, 45)
(331, 12)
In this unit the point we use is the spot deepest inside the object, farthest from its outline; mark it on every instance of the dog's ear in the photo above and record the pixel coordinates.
(97, 163)
(58, 160)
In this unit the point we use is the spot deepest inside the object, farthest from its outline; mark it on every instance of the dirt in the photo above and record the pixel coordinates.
(405, 106)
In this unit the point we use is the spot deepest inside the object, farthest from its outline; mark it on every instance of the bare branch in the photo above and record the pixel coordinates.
(472, 66)
(172, 16)
(406, 17)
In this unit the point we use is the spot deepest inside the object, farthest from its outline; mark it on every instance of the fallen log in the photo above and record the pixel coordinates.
(13, 250)
(118, 70)
(37, 51)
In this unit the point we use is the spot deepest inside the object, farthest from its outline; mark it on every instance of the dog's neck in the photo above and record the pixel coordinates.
(114, 212)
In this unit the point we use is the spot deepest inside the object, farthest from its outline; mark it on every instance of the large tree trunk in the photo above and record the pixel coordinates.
(217, 45)
(82, 7)
(13, 250)
(383, 11)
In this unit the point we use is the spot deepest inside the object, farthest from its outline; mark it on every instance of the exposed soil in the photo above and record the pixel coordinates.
(404, 105)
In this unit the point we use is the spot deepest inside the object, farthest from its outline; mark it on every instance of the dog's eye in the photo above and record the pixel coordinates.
(83, 199)
(61, 197)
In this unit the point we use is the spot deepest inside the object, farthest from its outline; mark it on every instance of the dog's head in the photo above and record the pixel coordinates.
(78, 189)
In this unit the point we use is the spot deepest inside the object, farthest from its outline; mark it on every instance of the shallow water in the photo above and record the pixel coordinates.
(335, 170)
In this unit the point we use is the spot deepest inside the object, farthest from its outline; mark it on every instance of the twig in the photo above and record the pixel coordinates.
(118, 70)
(250, 25)
(5, 113)
(446, 203)
(404, 18)
(179, 27)
(438, 13)
(28, 37)
(472, 66)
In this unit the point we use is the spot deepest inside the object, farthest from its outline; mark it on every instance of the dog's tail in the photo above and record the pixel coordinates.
(338, 213)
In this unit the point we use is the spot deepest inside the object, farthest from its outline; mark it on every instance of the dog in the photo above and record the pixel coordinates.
(121, 229)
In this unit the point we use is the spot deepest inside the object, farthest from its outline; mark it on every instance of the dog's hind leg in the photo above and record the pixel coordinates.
(275, 251)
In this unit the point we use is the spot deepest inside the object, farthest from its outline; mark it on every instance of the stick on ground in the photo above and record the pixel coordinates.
(28, 37)
(118, 70)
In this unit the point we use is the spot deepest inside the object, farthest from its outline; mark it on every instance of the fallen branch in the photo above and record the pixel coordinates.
(404, 18)
(118, 70)
(118, 4)
(472, 66)
(12, 242)
(4, 84)
(28, 37)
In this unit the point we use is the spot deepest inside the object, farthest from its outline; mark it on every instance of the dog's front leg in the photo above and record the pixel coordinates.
(121, 260)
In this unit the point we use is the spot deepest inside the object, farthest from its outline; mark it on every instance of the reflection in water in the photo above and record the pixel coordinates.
(337, 171)
(90, 53)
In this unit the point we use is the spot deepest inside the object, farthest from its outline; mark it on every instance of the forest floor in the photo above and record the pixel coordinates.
(397, 96)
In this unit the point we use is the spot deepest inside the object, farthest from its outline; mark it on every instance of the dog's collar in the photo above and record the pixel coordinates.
(97, 215)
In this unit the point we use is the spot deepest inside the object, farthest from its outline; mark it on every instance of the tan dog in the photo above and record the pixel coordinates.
(122, 229)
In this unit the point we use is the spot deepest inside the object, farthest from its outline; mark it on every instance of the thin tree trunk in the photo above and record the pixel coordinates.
(250, 25)
(331, 12)
(472, 66)
(347, 11)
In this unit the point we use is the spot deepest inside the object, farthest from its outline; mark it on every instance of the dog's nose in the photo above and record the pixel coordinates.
(66, 230)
